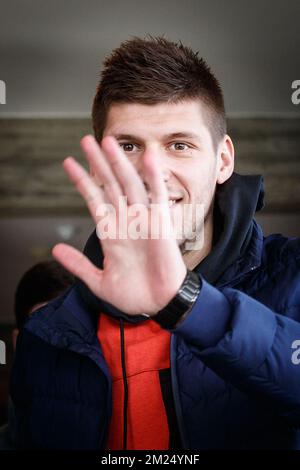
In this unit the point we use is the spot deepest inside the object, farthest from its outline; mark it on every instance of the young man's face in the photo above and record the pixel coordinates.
(177, 133)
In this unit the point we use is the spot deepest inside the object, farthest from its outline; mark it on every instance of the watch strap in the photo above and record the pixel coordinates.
(182, 303)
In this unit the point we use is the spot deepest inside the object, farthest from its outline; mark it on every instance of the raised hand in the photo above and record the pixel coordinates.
(139, 275)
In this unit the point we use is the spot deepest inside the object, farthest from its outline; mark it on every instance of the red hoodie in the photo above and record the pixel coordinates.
(147, 350)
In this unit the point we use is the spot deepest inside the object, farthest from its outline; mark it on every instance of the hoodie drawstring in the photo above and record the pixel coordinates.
(125, 406)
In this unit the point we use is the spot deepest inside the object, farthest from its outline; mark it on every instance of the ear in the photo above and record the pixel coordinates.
(225, 160)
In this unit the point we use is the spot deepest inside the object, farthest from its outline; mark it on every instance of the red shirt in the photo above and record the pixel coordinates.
(147, 350)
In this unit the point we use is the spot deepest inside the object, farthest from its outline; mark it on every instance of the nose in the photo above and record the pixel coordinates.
(160, 159)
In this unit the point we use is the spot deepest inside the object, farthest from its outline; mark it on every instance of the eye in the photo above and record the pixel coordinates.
(180, 146)
(127, 147)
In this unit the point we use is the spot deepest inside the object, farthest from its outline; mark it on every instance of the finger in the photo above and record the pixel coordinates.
(80, 266)
(90, 191)
(155, 179)
(101, 168)
(130, 181)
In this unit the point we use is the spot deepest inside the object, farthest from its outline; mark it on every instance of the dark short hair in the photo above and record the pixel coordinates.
(41, 283)
(155, 70)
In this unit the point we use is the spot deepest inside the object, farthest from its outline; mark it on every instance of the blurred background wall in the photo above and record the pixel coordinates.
(50, 60)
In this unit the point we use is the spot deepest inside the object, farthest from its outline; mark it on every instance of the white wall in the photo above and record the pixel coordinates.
(51, 51)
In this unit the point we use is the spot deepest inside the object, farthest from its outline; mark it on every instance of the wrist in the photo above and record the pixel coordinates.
(181, 304)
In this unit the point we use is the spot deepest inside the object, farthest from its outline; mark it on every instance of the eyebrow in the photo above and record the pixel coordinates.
(174, 135)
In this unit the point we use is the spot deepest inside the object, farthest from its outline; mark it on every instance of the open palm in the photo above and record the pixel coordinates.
(150, 270)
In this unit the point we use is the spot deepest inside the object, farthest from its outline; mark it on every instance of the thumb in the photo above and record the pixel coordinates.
(80, 266)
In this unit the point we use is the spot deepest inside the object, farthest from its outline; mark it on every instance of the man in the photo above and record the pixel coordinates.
(161, 345)
(41, 283)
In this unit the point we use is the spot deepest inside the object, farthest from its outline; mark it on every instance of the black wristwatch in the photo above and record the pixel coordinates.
(182, 303)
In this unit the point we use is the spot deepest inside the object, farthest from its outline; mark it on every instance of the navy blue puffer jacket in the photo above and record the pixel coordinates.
(235, 359)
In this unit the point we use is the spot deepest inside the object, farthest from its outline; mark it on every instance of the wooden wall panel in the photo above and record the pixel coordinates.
(33, 182)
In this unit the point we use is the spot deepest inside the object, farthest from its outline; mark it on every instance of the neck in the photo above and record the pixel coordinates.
(192, 258)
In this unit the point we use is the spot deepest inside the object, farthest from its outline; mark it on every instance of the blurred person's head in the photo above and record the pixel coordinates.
(41, 283)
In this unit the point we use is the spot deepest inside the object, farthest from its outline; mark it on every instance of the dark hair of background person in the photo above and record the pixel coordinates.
(41, 283)
(155, 70)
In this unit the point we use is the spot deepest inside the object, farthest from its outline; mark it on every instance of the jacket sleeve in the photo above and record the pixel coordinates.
(248, 345)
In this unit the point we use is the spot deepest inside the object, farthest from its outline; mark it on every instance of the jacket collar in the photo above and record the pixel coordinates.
(237, 240)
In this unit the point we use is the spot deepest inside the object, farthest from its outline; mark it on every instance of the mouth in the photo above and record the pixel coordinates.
(174, 201)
